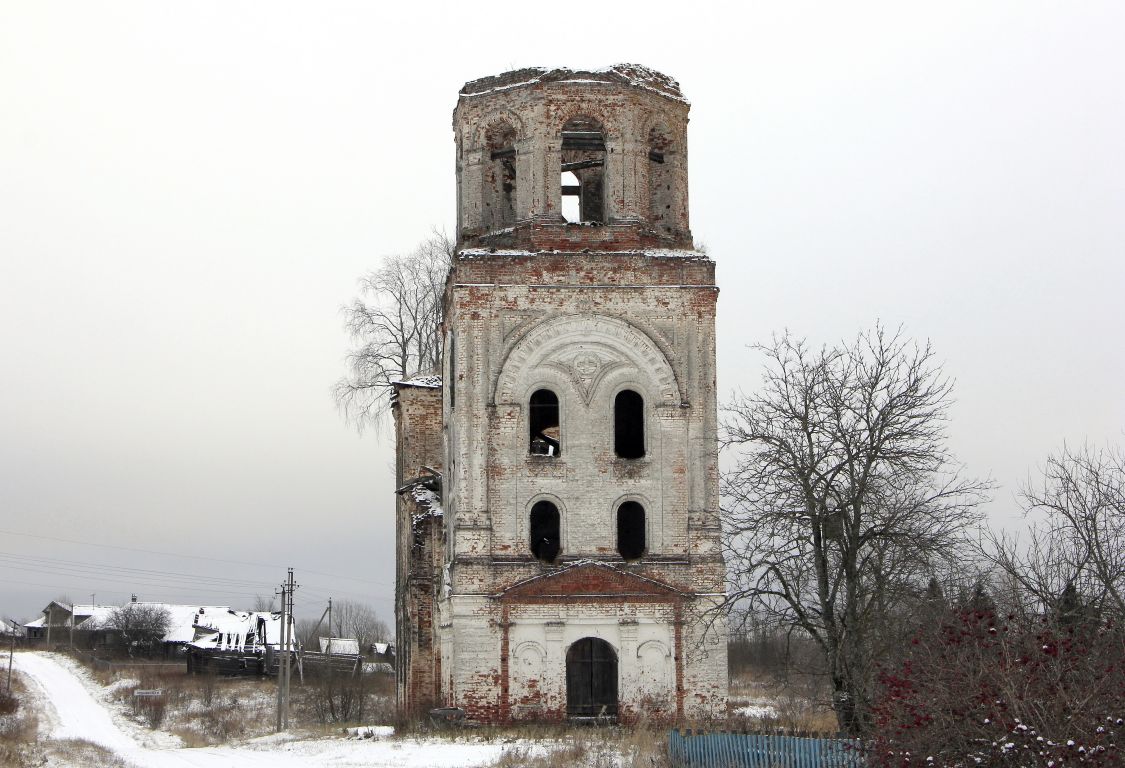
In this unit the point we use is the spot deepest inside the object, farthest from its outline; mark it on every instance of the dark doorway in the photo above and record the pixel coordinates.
(591, 679)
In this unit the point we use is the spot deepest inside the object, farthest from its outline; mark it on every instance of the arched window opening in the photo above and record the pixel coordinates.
(631, 530)
(661, 195)
(543, 417)
(571, 194)
(591, 680)
(629, 425)
(583, 154)
(545, 531)
(498, 193)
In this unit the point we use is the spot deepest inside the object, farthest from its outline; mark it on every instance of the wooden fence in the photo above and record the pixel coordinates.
(756, 750)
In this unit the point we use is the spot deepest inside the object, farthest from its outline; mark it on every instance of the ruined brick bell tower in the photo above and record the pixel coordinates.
(576, 555)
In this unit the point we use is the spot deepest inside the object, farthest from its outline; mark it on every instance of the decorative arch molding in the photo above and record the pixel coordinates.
(653, 649)
(530, 652)
(586, 348)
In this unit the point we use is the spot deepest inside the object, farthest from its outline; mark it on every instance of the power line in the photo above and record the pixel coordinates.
(32, 561)
(191, 557)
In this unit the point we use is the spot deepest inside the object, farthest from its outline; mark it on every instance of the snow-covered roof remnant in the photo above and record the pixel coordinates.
(89, 616)
(635, 75)
(343, 646)
(431, 381)
(35, 624)
(239, 630)
(9, 628)
(182, 619)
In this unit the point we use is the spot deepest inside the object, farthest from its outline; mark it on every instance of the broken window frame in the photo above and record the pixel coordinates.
(629, 425)
(544, 531)
(540, 420)
(632, 534)
(583, 153)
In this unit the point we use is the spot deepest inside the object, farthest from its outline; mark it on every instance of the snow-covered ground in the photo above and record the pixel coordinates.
(74, 706)
(754, 710)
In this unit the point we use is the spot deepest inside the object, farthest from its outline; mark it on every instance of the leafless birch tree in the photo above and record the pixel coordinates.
(395, 324)
(843, 498)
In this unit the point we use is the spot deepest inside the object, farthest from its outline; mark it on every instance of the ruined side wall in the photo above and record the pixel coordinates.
(419, 526)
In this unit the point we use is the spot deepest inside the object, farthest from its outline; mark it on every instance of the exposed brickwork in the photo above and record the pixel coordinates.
(585, 311)
(418, 426)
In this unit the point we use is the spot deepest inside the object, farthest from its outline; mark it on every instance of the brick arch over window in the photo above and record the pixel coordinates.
(585, 349)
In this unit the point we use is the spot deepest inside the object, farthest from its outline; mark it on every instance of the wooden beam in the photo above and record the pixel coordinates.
(582, 164)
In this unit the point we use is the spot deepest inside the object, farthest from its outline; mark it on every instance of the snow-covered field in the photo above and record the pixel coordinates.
(74, 706)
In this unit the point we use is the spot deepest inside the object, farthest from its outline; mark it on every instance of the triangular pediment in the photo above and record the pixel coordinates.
(590, 580)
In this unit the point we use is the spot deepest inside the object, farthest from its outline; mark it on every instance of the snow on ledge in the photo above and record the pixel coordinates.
(652, 253)
(429, 501)
(430, 382)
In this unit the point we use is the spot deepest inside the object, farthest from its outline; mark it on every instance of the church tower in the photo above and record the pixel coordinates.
(579, 552)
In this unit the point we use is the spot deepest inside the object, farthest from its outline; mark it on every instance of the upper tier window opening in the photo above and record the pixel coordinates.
(583, 157)
(545, 431)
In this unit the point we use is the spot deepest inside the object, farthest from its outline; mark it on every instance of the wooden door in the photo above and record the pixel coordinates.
(591, 679)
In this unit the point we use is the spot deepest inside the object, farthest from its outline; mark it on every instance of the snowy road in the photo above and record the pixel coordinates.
(75, 714)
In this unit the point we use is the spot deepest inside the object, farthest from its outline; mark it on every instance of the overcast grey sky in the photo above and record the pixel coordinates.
(188, 192)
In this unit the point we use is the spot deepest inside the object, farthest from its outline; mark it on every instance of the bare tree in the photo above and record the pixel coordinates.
(264, 603)
(395, 324)
(141, 627)
(1077, 546)
(359, 621)
(843, 499)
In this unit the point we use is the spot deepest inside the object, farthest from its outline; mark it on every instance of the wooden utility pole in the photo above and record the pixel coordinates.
(280, 645)
(11, 655)
(285, 657)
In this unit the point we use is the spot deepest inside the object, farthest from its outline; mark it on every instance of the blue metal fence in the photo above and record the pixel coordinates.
(755, 750)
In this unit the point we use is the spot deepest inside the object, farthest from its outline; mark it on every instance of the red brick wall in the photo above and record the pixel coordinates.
(418, 433)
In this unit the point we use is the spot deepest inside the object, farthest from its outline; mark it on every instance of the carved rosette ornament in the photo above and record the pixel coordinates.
(586, 366)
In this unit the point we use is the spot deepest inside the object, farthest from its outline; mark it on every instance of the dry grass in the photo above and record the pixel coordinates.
(581, 747)
(80, 753)
(800, 705)
(19, 728)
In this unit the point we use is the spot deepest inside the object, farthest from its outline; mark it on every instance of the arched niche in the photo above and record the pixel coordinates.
(662, 186)
(499, 178)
